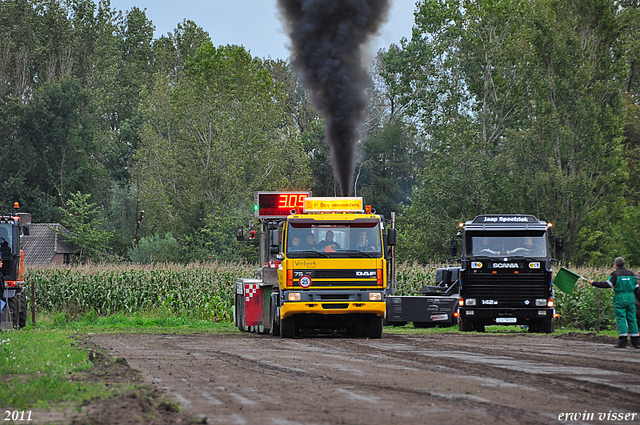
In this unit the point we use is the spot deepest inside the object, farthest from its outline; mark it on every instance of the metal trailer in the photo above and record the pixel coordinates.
(436, 306)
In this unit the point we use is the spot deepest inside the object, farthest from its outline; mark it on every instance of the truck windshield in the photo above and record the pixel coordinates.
(522, 245)
(6, 241)
(333, 240)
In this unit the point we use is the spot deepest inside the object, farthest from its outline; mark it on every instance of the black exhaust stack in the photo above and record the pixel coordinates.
(328, 42)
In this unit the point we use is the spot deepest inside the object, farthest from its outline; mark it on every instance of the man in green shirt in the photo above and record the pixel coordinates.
(623, 282)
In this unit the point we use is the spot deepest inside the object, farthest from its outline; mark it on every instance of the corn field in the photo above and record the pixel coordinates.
(197, 291)
(206, 291)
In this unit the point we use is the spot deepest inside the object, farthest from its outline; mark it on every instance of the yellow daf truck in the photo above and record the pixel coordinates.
(331, 261)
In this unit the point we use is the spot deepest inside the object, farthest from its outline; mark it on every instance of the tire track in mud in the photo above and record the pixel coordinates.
(396, 379)
(512, 367)
(557, 371)
(369, 392)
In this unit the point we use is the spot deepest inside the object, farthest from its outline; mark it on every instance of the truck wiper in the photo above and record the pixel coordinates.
(357, 253)
(309, 253)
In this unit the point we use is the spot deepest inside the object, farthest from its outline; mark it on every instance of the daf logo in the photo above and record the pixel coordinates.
(505, 265)
(366, 273)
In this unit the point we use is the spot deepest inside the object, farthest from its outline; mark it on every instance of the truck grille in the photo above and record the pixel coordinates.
(341, 274)
(505, 286)
(334, 306)
(334, 297)
(339, 278)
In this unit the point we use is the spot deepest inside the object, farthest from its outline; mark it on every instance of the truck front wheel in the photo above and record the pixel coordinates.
(274, 315)
(542, 327)
(465, 326)
(288, 327)
(375, 327)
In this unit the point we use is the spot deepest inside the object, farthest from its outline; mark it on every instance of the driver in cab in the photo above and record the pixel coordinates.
(328, 245)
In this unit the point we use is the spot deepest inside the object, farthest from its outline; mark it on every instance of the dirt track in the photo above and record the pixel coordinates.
(399, 379)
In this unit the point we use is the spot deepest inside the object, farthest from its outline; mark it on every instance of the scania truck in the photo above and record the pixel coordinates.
(324, 268)
(505, 274)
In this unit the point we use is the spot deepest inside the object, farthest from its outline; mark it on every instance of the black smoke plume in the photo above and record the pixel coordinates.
(328, 41)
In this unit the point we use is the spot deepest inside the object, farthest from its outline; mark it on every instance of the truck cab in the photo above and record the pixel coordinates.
(505, 275)
(333, 274)
(330, 258)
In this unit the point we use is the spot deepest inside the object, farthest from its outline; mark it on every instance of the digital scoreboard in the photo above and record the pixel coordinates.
(278, 204)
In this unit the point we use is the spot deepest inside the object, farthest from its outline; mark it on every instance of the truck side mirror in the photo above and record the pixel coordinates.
(239, 234)
(453, 249)
(391, 237)
(559, 245)
(274, 238)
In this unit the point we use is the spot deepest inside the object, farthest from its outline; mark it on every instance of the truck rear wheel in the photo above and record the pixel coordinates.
(288, 327)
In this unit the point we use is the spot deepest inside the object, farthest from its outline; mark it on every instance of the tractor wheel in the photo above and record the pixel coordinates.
(22, 313)
(13, 304)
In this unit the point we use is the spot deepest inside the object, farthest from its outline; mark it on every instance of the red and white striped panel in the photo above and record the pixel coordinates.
(250, 290)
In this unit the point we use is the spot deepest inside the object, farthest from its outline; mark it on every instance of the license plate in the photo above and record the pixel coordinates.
(437, 317)
(506, 320)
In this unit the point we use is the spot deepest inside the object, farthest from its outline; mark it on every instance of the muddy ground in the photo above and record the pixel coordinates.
(413, 379)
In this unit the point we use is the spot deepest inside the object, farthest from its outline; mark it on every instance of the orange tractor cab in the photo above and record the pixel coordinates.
(12, 227)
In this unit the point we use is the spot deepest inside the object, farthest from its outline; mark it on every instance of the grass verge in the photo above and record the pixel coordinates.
(42, 365)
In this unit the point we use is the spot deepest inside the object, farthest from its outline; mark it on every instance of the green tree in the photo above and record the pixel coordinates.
(214, 139)
(386, 174)
(172, 51)
(57, 128)
(573, 114)
(84, 222)
(519, 104)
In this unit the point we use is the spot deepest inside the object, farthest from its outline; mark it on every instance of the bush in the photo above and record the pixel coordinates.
(154, 249)
(579, 309)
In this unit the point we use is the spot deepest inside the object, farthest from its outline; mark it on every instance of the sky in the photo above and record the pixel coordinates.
(254, 24)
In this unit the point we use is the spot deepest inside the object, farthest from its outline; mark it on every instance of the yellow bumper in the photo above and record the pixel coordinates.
(376, 307)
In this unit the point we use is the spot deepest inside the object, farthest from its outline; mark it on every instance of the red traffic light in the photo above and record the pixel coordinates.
(252, 234)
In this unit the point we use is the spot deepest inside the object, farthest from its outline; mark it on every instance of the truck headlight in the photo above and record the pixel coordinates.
(470, 301)
(294, 296)
(541, 302)
(375, 296)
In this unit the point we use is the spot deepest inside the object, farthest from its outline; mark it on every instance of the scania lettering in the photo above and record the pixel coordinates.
(505, 273)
